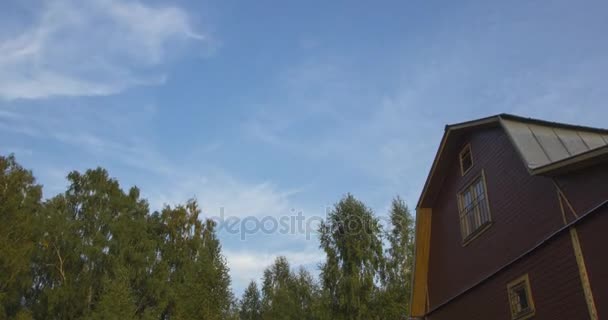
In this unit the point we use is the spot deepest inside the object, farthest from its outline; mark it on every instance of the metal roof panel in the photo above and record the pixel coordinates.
(527, 143)
(593, 140)
(572, 140)
(549, 142)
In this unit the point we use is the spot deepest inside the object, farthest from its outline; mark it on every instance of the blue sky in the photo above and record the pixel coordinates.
(261, 107)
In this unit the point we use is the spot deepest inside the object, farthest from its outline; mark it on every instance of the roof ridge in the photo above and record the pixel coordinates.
(514, 117)
(551, 123)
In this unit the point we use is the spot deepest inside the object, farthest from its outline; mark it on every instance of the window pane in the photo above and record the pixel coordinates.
(468, 199)
(479, 189)
(522, 298)
(466, 160)
(474, 208)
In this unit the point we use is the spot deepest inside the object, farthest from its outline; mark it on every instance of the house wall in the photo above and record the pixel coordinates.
(592, 236)
(524, 211)
(554, 281)
(586, 189)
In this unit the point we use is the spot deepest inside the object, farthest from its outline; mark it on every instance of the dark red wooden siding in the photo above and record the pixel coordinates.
(554, 281)
(585, 190)
(524, 211)
(592, 234)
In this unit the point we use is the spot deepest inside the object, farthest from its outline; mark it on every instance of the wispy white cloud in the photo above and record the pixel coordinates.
(218, 190)
(246, 266)
(392, 135)
(88, 48)
(366, 132)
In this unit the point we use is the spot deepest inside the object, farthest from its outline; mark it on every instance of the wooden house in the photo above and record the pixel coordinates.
(512, 223)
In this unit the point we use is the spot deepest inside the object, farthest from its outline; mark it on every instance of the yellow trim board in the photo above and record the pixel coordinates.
(582, 270)
(421, 263)
(578, 254)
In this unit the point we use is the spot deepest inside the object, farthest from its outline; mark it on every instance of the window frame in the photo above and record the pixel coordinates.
(466, 148)
(459, 199)
(525, 281)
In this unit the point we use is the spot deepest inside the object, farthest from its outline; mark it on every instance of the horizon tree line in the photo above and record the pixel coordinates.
(96, 251)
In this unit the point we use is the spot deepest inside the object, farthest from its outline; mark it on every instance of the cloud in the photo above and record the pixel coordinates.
(91, 48)
(246, 266)
(350, 126)
(218, 190)
(387, 134)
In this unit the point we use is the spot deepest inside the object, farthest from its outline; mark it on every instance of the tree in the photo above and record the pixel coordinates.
(116, 301)
(277, 302)
(251, 304)
(351, 239)
(19, 206)
(95, 234)
(199, 284)
(307, 296)
(289, 295)
(399, 262)
(96, 252)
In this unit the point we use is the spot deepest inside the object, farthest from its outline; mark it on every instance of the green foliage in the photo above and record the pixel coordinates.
(19, 209)
(116, 300)
(97, 252)
(398, 270)
(351, 239)
(288, 295)
(251, 304)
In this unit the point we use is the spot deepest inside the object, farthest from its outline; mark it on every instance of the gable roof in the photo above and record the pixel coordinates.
(542, 144)
(545, 147)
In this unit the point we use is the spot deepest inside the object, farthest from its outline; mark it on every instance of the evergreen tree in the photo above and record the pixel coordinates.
(251, 304)
(351, 239)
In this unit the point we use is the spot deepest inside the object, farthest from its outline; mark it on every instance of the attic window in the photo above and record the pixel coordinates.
(520, 298)
(466, 159)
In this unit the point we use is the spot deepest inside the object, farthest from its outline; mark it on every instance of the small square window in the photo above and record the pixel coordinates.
(520, 298)
(466, 160)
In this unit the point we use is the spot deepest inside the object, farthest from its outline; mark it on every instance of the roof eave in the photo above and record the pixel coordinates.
(564, 164)
(448, 129)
